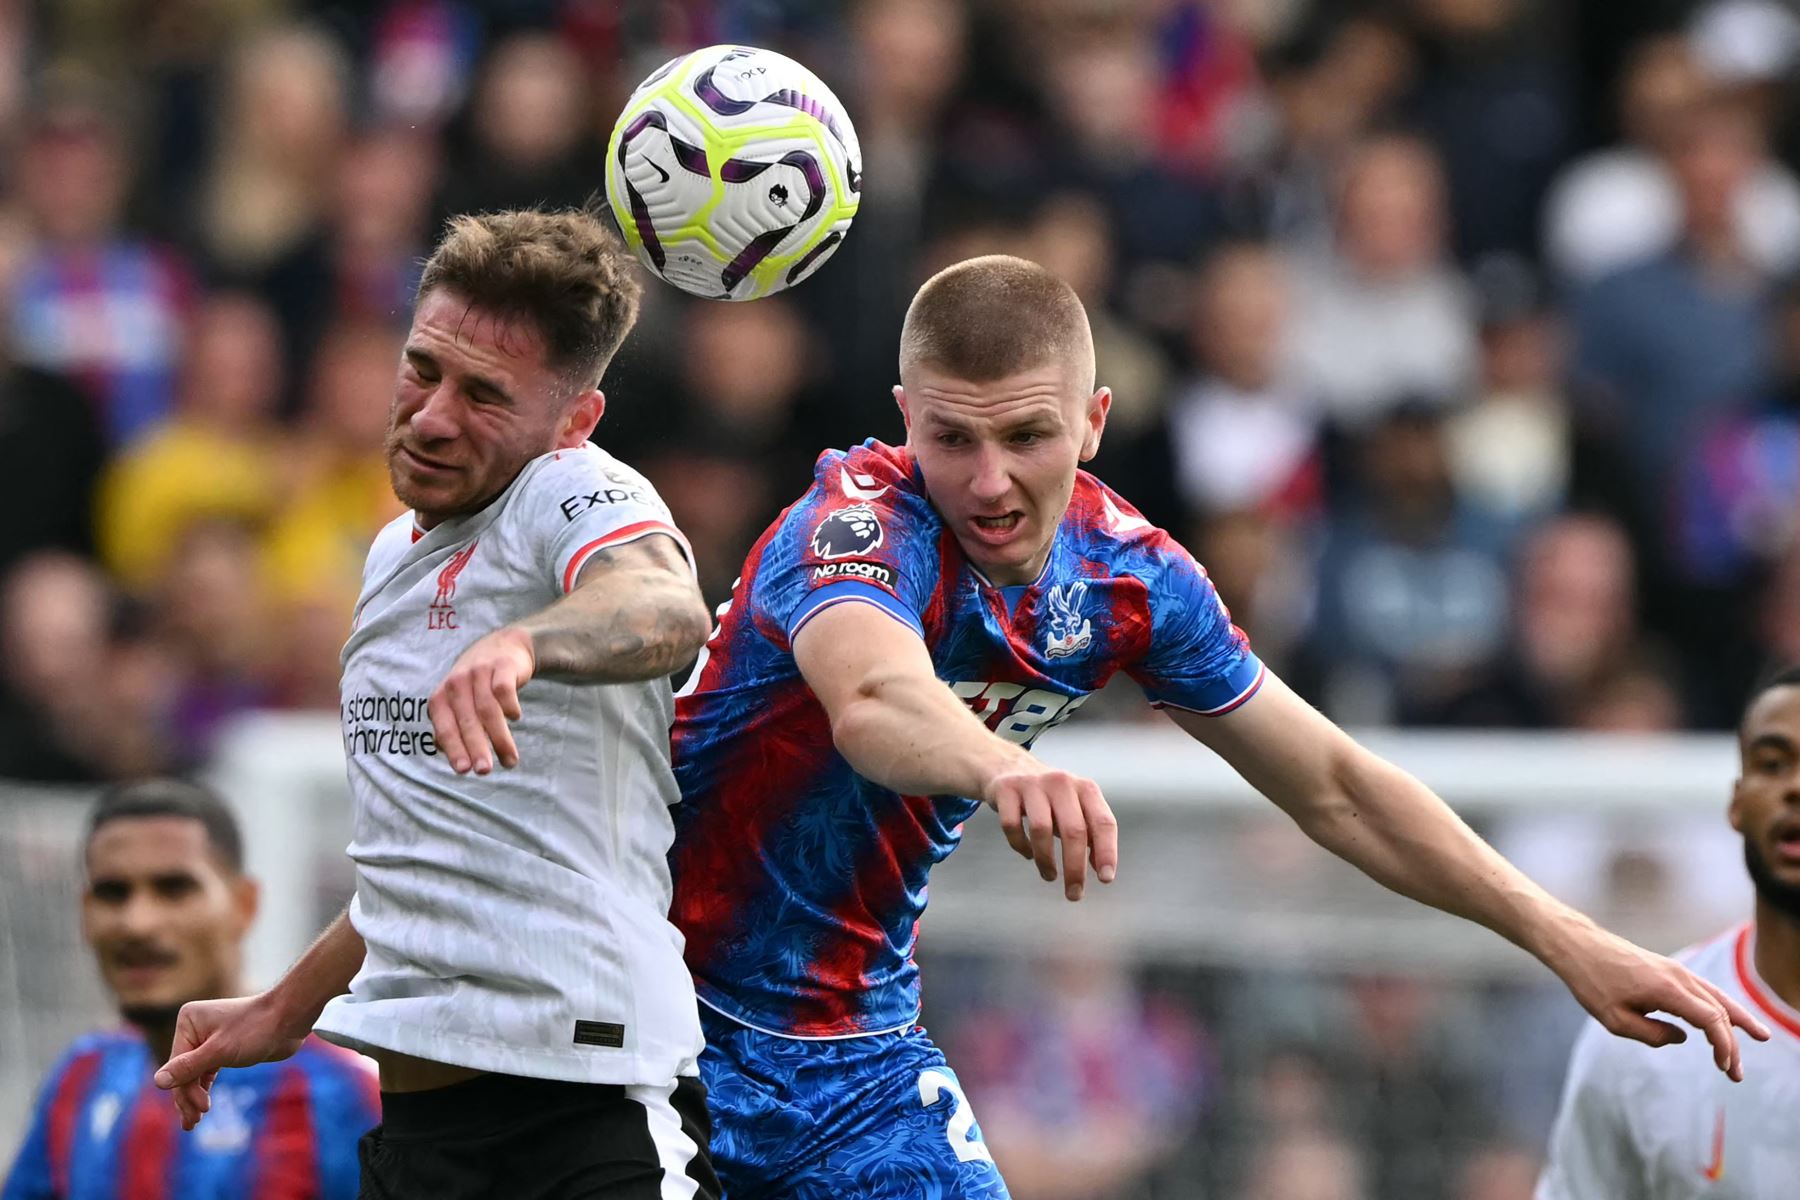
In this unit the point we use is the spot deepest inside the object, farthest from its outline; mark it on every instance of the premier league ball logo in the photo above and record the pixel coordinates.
(848, 531)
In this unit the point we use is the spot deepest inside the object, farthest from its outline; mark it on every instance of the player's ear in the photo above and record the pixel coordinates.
(246, 900)
(583, 413)
(1098, 405)
(905, 413)
(1734, 812)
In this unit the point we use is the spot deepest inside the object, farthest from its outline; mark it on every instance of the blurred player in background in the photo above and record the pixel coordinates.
(1642, 1126)
(166, 909)
(825, 766)
(515, 973)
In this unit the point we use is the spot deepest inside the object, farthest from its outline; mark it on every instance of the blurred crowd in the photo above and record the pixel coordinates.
(1460, 339)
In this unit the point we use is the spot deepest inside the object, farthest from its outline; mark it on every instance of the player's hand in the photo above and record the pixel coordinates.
(1039, 805)
(1621, 984)
(211, 1034)
(471, 709)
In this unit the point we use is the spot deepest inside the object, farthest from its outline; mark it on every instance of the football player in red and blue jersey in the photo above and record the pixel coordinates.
(166, 909)
(898, 638)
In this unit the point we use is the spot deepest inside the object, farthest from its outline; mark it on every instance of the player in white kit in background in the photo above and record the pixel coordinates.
(1643, 1125)
(515, 973)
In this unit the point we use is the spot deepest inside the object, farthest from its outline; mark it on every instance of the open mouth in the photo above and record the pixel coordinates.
(997, 529)
(142, 963)
(1786, 836)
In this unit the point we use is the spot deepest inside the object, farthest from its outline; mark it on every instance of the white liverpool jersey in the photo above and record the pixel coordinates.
(518, 921)
(1639, 1123)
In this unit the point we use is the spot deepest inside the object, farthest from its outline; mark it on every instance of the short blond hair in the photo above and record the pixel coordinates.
(565, 272)
(986, 318)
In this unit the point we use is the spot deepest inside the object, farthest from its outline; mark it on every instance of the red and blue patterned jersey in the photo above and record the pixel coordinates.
(276, 1131)
(798, 883)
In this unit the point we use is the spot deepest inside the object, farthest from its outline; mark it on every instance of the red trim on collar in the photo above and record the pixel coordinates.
(1754, 989)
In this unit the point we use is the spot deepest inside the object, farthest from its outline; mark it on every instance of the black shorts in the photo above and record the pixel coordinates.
(501, 1137)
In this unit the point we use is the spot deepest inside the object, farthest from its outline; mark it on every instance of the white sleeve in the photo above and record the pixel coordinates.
(1592, 1153)
(587, 501)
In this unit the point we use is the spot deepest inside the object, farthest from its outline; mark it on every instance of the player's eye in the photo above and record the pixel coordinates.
(1769, 763)
(950, 439)
(110, 891)
(174, 887)
(1027, 437)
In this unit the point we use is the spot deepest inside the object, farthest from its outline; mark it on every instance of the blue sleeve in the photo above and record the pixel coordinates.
(876, 546)
(29, 1178)
(346, 1105)
(1197, 660)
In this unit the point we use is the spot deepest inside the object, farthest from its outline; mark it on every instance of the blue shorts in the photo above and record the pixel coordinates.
(880, 1117)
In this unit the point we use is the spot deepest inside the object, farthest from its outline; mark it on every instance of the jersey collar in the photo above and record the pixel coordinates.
(1759, 992)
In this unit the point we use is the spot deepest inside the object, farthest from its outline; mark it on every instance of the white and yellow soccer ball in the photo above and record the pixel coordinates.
(733, 172)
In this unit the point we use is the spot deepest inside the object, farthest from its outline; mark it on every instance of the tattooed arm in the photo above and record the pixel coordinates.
(635, 613)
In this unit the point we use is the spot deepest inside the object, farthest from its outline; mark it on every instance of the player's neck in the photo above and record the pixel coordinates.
(1778, 952)
(160, 1037)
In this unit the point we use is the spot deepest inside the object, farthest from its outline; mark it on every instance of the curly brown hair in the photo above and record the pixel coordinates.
(565, 272)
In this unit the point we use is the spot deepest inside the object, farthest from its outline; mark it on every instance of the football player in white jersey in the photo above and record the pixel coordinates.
(1637, 1125)
(507, 959)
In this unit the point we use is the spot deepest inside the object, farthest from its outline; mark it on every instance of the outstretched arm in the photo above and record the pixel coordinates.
(243, 1030)
(1379, 818)
(635, 613)
(896, 723)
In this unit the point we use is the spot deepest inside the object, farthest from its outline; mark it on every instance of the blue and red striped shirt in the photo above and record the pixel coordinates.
(276, 1131)
(798, 883)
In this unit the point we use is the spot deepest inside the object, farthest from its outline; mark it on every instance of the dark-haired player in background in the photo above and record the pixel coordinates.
(825, 765)
(1642, 1126)
(166, 908)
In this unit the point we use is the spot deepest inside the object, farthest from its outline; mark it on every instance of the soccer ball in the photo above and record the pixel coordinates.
(733, 172)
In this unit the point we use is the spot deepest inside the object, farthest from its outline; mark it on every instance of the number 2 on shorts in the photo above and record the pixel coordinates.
(932, 1085)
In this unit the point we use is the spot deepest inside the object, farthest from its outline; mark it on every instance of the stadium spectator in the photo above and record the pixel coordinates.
(1620, 204)
(1087, 1083)
(529, 137)
(214, 457)
(1107, 111)
(748, 375)
(910, 57)
(93, 301)
(420, 58)
(1072, 236)
(1512, 446)
(1383, 315)
(1775, 615)
(1666, 345)
(360, 263)
(1497, 1172)
(1574, 626)
(165, 911)
(1411, 587)
(339, 499)
(1409, 1081)
(1308, 1165)
(1238, 435)
(1327, 84)
(283, 117)
(1493, 97)
(1739, 500)
(55, 616)
(51, 455)
(212, 616)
